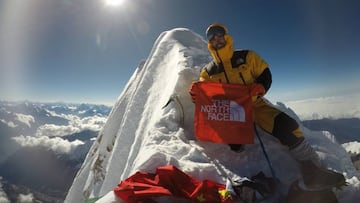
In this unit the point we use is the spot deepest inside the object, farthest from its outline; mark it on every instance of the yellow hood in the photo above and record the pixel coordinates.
(225, 53)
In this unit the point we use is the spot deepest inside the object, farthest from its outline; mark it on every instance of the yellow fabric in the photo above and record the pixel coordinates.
(297, 132)
(264, 114)
(252, 69)
(225, 195)
(214, 78)
(224, 54)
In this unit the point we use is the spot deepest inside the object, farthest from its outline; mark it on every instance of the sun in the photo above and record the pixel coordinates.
(113, 2)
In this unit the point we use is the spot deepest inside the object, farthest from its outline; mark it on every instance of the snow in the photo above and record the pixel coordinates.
(141, 134)
(352, 147)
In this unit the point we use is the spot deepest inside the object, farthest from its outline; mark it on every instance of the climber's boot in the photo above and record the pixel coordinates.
(314, 175)
(317, 177)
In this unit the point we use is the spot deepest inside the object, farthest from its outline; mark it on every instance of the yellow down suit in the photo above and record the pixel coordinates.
(246, 67)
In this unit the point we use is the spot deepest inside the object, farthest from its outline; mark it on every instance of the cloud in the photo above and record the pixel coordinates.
(56, 144)
(76, 125)
(28, 198)
(346, 106)
(25, 119)
(10, 123)
(94, 123)
(52, 130)
(3, 196)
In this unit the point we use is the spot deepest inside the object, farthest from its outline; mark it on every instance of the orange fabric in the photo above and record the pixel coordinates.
(167, 181)
(223, 113)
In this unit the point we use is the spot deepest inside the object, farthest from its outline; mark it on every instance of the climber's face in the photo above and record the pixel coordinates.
(218, 42)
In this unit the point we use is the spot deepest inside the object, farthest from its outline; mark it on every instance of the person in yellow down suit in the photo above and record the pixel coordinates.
(246, 67)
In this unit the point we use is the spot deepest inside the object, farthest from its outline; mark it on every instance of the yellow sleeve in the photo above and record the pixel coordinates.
(257, 63)
(204, 75)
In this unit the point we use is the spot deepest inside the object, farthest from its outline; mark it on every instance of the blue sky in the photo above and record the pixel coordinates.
(86, 51)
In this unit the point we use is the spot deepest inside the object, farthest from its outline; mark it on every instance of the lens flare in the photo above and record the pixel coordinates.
(113, 2)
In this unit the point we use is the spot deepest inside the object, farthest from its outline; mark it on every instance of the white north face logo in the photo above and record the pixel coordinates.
(237, 112)
(224, 110)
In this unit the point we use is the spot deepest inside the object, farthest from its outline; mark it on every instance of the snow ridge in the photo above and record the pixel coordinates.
(142, 133)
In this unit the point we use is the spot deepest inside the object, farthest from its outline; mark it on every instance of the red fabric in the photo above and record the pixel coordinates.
(223, 112)
(257, 89)
(167, 181)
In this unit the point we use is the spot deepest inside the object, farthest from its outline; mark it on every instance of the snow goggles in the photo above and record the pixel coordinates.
(215, 30)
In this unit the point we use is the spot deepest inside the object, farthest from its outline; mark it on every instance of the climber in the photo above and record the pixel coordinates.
(246, 67)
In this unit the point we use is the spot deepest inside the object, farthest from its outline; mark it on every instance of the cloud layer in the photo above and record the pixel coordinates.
(76, 125)
(346, 106)
(26, 198)
(3, 196)
(55, 144)
(51, 136)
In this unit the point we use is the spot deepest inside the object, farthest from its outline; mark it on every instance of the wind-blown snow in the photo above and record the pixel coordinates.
(141, 134)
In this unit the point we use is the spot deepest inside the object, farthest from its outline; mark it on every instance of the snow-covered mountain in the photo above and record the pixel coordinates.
(142, 133)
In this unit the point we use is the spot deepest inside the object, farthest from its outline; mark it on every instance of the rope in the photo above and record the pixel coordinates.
(264, 151)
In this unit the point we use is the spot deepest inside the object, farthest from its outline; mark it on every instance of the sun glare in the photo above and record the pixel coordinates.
(114, 2)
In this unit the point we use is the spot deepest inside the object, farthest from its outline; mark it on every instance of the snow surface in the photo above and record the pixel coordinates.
(352, 147)
(141, 135)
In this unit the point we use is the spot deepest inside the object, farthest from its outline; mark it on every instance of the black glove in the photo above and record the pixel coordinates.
(237, 147)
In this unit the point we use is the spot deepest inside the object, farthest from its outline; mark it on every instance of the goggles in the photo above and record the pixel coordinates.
(215, 30)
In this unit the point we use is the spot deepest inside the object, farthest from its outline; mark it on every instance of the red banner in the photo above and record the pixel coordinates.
(223, 113)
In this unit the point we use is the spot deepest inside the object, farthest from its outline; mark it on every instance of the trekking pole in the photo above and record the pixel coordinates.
(264, 151)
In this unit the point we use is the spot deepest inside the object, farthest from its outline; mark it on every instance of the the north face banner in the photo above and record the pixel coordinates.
(223, 113)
